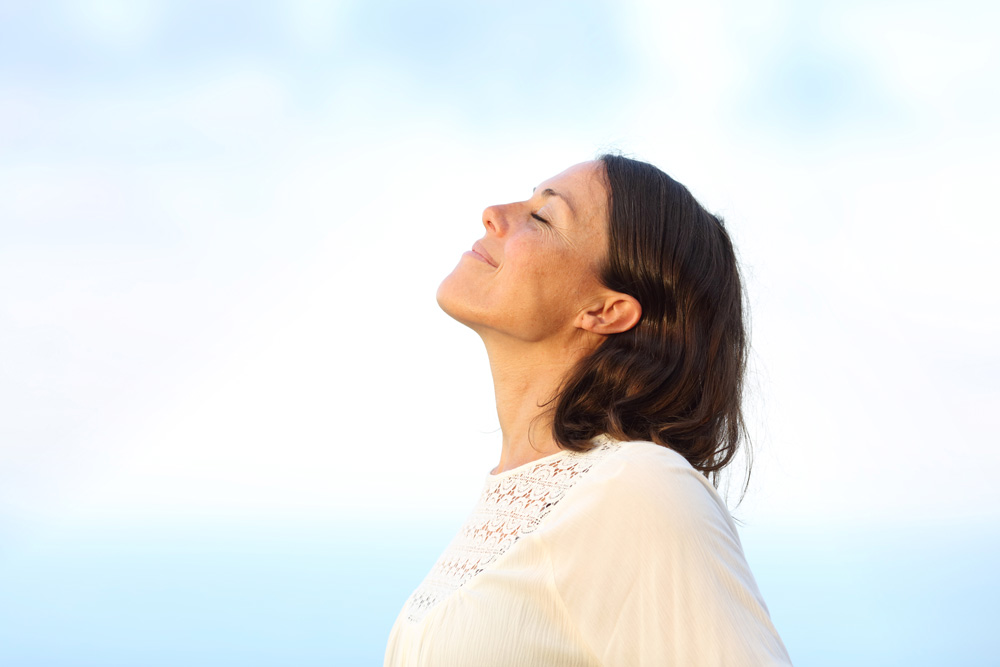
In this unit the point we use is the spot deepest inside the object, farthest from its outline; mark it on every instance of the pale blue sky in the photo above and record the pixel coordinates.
(222, 369)
(222, 226)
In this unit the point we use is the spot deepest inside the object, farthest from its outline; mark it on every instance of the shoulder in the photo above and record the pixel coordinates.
(656, 483)
(647, 560)
(641, 495)
(636, 457)
(642, 459)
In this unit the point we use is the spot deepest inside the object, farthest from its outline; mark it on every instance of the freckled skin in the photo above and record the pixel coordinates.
(542, 307)
(546, 273)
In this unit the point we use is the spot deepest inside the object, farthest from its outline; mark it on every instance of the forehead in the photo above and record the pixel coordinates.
(585, 193)
(583, 188)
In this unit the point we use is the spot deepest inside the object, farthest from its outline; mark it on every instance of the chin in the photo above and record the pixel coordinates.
(455, 299)
(449, 296)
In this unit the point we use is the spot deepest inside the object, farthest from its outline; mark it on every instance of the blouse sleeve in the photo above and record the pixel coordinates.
(649, 566)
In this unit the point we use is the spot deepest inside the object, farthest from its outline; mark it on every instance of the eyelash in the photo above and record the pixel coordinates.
(539, 218)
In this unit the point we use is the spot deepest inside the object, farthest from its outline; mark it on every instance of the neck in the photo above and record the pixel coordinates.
(526, 377)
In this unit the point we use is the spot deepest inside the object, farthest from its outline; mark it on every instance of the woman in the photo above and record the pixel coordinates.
(610, 305)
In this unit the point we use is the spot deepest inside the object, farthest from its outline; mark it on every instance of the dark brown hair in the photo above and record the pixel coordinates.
(676, 378)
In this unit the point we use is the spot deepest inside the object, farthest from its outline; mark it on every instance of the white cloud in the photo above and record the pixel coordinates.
(218, 291)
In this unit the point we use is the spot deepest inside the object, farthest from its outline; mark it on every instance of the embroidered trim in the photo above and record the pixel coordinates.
(510, 507)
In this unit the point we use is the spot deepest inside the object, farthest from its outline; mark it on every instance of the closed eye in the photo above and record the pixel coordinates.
(539, 218)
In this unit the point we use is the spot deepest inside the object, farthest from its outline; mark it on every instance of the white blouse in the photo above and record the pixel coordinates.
(622, 555)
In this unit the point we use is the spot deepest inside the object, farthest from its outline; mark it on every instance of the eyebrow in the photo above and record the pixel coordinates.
(549, 192)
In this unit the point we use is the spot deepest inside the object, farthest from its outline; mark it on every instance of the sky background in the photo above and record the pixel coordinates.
(222, 226)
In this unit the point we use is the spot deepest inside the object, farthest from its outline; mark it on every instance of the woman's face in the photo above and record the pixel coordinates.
(535, 270)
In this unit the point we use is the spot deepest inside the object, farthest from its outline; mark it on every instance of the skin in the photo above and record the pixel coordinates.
(530, 289)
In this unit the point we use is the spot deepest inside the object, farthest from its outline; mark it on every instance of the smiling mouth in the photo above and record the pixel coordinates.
(480, 252)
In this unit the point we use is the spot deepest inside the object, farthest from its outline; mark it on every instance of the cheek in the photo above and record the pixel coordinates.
(553, 278)
(530, 262)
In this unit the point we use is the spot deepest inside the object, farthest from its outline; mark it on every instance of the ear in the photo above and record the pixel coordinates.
(616, 313)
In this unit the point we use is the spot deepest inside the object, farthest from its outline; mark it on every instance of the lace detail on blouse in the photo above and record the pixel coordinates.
(510, 507)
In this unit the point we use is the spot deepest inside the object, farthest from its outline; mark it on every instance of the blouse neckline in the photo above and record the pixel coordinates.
(524, 467)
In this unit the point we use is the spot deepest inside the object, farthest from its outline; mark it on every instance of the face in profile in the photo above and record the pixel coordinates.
(535, 268)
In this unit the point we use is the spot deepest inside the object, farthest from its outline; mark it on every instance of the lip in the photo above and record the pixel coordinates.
(480, 252)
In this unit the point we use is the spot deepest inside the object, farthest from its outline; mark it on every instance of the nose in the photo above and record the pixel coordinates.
(494, 220)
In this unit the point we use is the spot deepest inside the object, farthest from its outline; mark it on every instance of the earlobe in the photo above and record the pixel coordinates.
(617, 313)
